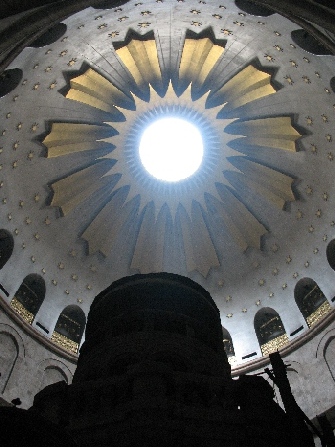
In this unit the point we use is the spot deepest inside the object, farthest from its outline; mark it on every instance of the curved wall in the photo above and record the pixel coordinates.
(27, 365)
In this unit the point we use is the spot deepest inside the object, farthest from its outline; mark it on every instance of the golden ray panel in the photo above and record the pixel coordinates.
(198, 58)
(92, 89)
(173, 216)
(246, 86)
(141, 59)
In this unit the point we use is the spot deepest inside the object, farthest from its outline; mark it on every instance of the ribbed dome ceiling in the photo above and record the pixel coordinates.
(254, 220)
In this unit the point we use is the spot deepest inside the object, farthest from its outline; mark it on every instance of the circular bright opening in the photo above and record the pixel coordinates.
(171, 149)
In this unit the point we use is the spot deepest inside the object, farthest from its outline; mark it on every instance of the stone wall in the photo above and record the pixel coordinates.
(311, 372)
(27, 365)
(29, 362)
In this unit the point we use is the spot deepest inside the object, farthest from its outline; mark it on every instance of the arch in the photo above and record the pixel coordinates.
(107, 4)
(253, 9)
(8, 355)
(323, 343)
(29, 297)
(55, 364)
(69, 328)
(6, 247)
(308, 43)
(326, 350)
(270, 330)
(311, 301)
(9, 80)
(228, 346)
(330, 252)
(51, 371)
(50, 36)
(53, 374)
(12, 352)
(332, 86)
(7, 329)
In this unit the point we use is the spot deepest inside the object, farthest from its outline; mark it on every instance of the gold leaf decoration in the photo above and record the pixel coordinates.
(319, 313)
(274, 344)
(246, 86)
(68, 138)
(94, 90)
(141, 60)
(22, 311)
(268, 132)
(197, 61)
(65, 342)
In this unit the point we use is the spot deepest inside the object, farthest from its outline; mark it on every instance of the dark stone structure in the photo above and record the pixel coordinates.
(153, 372)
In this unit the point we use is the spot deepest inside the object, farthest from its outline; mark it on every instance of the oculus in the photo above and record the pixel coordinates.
(171, 149)
(174, 226)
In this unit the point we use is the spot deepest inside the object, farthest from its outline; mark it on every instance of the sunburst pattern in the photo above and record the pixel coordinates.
(173, 217)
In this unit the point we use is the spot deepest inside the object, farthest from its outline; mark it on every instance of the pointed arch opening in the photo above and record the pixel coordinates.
(6, 247)
(308, 43)
(69, 328)
(270, 330)
(330, 252)
(332, 84)
(253, 9)
(107, 4)
(29, 297)
(9, 80)
(50, 36)
(311, 301)
(228, 346)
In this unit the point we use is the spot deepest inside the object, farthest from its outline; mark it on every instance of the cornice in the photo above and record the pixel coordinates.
(39, 338)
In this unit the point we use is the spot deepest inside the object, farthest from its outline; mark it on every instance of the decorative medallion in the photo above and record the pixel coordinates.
(172, 218)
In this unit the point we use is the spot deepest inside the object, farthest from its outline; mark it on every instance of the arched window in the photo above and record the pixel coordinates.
(29, 297)
(6, 247)
(308, 43)
(50, 36)
(69, 328)
(332, 83)
(253, 9)
(311, 301)
(331, 253)
(228, 346)
(9, 80)
(270, 330)
(107, 4)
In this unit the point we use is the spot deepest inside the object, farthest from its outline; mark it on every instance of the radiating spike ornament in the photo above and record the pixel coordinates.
(181, 209)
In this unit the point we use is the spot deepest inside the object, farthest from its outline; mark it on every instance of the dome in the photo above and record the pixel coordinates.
(253, 225)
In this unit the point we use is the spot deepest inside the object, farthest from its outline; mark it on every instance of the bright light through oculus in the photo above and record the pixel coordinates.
(171, 149)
